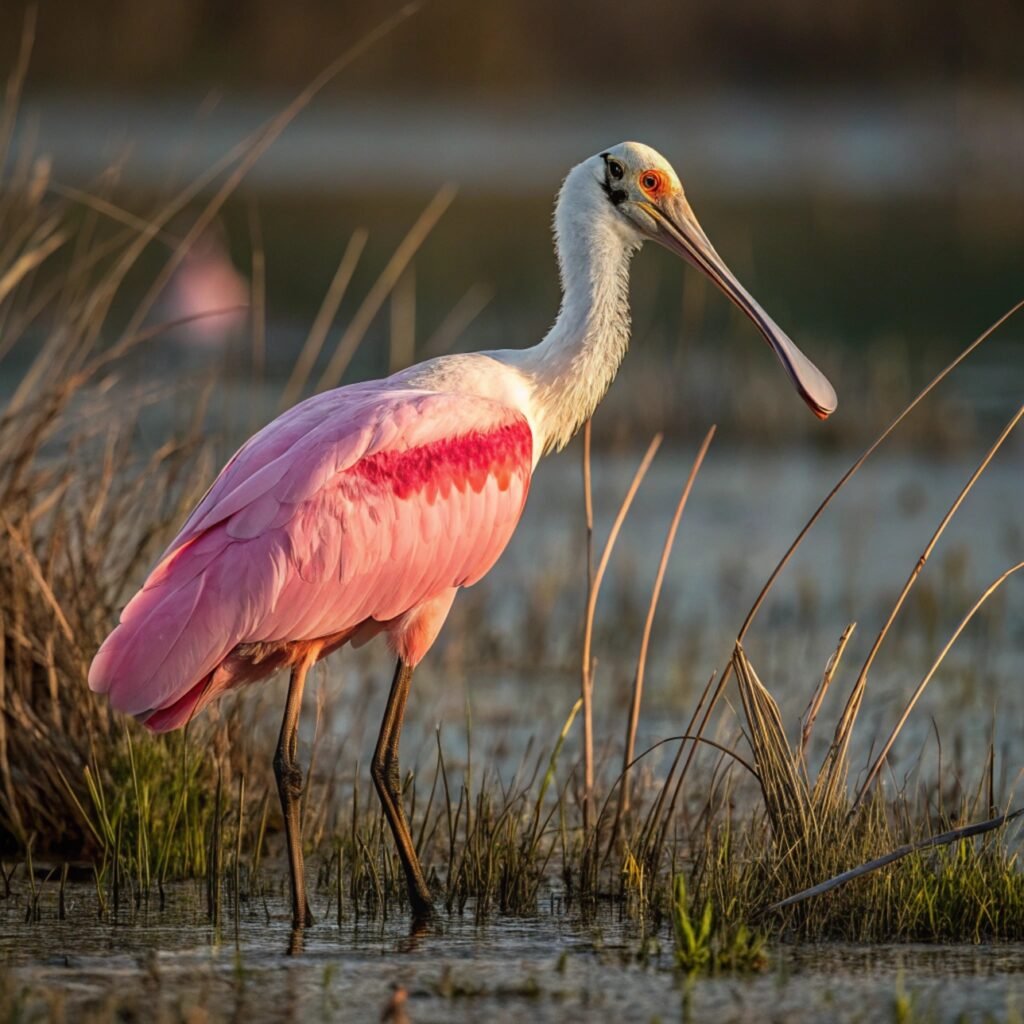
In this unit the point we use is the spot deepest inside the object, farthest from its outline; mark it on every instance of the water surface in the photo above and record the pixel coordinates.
(553, 967)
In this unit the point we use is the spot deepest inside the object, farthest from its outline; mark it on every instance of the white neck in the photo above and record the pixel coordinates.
(570, 371)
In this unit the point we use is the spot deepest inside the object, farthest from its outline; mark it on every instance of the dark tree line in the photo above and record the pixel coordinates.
(526, 46)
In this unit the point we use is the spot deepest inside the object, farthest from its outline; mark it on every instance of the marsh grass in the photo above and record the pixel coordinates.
(812, 831)
(86, 507)
(700, 947)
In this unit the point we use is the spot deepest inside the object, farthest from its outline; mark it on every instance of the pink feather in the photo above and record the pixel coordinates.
(362, 509)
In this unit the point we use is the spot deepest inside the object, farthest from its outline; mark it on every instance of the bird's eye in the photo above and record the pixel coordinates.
(615, 169)
(653, 183)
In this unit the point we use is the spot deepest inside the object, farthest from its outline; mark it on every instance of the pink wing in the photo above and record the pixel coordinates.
(352, 508)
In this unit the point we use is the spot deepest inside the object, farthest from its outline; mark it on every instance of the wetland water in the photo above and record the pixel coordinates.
(555, 967)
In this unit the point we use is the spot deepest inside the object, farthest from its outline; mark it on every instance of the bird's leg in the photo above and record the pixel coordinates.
(388, 780)
(289, 787)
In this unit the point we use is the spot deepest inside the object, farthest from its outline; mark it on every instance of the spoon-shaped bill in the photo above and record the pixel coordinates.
(679, 232)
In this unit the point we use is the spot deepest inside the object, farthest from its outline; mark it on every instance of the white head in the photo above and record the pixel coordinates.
(618, 199)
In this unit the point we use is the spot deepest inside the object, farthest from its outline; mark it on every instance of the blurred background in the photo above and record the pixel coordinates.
(859, 165)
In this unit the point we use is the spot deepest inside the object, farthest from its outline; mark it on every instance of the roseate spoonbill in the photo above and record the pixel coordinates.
(364, 509)
(205, 284)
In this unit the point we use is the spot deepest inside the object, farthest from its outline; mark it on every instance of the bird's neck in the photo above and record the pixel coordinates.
(571, 370)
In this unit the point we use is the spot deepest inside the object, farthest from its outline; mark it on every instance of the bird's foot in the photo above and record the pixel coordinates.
(303, 918)
(421, 902)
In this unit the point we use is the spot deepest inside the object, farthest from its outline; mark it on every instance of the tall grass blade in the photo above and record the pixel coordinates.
(898, 727)
(652, 607)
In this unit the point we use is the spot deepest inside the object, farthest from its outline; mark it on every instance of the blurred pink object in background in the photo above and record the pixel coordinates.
(207, 282)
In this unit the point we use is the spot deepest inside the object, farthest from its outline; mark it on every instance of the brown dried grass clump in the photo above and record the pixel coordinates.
(83, 509)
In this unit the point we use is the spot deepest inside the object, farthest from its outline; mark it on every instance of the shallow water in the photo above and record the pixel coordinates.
(555, 966)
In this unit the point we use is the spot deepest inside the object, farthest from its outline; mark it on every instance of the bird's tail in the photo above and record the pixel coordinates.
(159, 662)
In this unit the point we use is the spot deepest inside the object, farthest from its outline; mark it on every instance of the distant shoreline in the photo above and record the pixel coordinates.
(937, 144)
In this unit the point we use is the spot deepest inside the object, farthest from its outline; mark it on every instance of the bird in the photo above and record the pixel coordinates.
(207, 293)
(365, 509)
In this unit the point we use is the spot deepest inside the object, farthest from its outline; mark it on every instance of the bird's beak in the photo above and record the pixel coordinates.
(677, 229)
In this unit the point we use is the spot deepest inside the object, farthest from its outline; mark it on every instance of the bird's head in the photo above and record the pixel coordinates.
(635, 189)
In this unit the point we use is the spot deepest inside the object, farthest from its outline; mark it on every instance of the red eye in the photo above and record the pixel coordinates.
(653, 182)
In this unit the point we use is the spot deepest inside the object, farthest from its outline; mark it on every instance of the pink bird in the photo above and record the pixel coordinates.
(365, 509)
(208, 292)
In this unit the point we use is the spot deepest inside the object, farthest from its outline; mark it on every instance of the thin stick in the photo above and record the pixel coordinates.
(15, 83)
(588, 625)
(324, 317)
(681, 739)
(641, 664)
(814, 704)
(216, 859)
(853, 706)
(381, 289)
(112, 354)
(240, 824)
(258, 302)
(402, 347)
(28, 261)
(966, 832)
(458, 318)
(36, 571)
(655, 814)
(99, 204)
(880, 759)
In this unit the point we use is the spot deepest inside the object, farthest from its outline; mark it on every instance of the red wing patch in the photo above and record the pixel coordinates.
(459, 462)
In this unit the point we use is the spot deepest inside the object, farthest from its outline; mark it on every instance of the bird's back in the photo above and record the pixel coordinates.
(343, 515)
